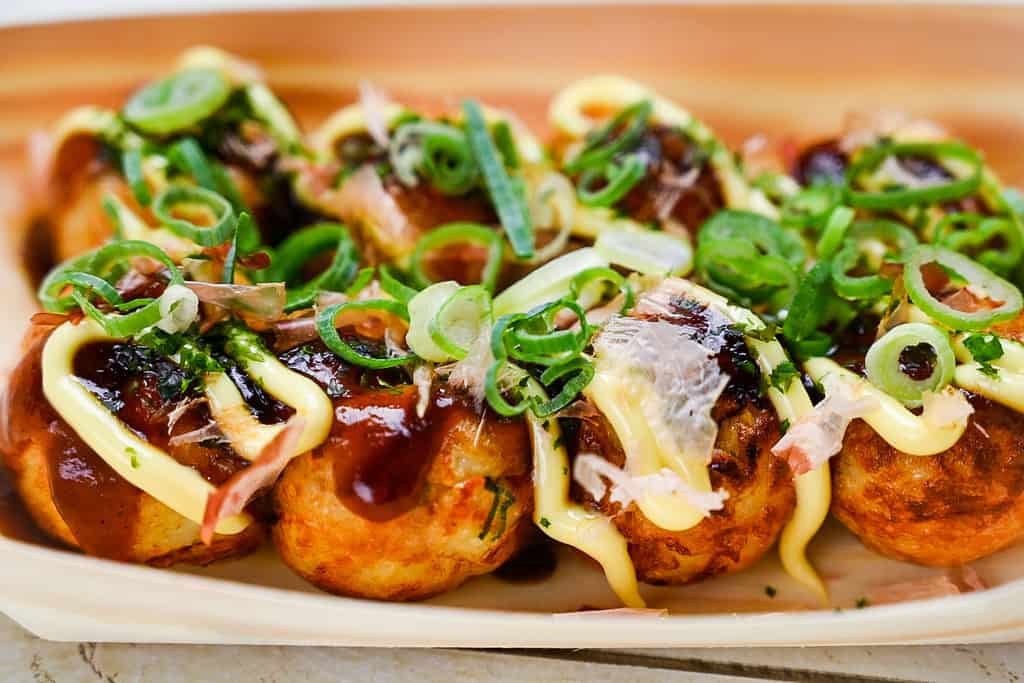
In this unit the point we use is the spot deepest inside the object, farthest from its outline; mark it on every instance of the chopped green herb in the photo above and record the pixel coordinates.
(545, 522)
(985, 348)
(783, 375)
(784, 426)
(134, 457)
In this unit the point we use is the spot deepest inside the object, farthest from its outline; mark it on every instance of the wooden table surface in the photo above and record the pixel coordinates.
(25, 658)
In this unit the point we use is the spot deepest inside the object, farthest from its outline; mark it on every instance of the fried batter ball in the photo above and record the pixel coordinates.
(940, 510)
(761, 494)
(76, 498)
(398, 507)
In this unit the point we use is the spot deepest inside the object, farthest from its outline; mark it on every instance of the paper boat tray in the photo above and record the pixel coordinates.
(774, 70)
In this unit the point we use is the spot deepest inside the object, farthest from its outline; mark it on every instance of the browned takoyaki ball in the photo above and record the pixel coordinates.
(942, 510)
(761, 494)
(76, 498)
(398, 507)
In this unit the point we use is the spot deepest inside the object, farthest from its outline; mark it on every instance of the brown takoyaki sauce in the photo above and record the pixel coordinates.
(381, 450)
(669, 190)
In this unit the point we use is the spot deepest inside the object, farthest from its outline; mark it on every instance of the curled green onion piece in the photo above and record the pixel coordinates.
(534, 339)
(297, 250)
(581, 371)
(892, 199)
(1005, 301)
(582, 287)
(423, 308)
(187, 196)
(460, 320)
(810, 207)
(494, 395)
(187, 155)
(131, 166)
(548, 283)
(749, 258)
(871, 240)
(56, 282)
(507, 196)
(994, 242)
(329, 334)
(362, 279)
(619, 178)
(438, 151)
(887, 369)
(393, 287)
(458, 233)
(245, 224)
(614, 137)
(835, 229)
(177, 102)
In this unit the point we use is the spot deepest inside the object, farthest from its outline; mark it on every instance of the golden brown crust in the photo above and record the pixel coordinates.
(941, 510)
(430, 548)
(761, 500)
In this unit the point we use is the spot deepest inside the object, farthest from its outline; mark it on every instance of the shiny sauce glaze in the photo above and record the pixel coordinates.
(380, 449)
(98, 506)
(669, 188)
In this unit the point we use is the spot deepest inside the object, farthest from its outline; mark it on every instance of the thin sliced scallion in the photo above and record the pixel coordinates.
(618, 178)
(586, 289)
(463, 317)
(550, 282)
(395, 288)
(458, 233)
(647, 252)
(835, 229)
(177, 102)
(179, 197)
(131, 166)
(362, 278)
(423, 308)
(188, 156)
(56, 282)
(901, 198)
(297, 250)
(887, 369)
(507, 196)
(614, 137)
(329, 334)
(581, 371)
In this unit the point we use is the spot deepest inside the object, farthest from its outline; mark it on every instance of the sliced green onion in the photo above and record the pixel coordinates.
(194, 197)
(835, 230)
(617, 135)
(584, 284)
(888, 200)
(981, 281)
(131, 166)
(811, 206)
(448, 161)
(533, 338)
(56, 281)
(362, 279)
(877, 239)
(394, 287)
(244, 224)
(856, 287)
(550, 282)
(494, 395)
(508, 198)
(645, 251)
(458, 233)
(290, 257)
(885, 367)
(807, 310)
(177, 102)
(582, 371)
(329, 334)
(460, 320)
(107, 257)
(423, 308)
(618, 178)
(187, 155)
(982, 231)
(506, 143)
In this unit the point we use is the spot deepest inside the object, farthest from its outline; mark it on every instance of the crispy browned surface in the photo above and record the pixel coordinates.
(430, 548)
(152, 532)
(942, 510)
(761, 499)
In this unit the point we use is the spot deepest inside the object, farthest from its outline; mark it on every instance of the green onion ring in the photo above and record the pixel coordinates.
(601, 147)
(835, 229)
(619, 179)
(56, 281)
(507, 196)
(982, 230)
(584, 372)
(329, 334)
(299, 248)
(856, 287)
(131, 166)
(493, 393)
(460, 320)
(533, 339)
(978, 276)
(884, 368)
(360, 281)
(601, 274)
(212, 236)
(394, 287)
(458, 233)
(448, 161)
(177, 102)
(811, 206)
(900, 199)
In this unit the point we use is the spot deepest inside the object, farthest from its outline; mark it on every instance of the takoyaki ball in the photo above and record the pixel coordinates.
(77, 498)
(398, 507)
(941, 510)
(761, 496)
